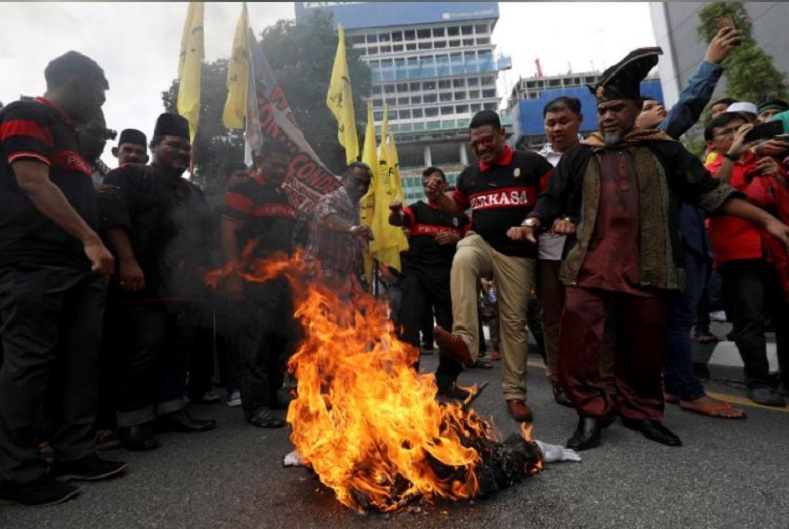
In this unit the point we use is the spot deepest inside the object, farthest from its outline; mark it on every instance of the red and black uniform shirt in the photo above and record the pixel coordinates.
(501, 195)
(40, 131)
(265, 215)
(424, 255)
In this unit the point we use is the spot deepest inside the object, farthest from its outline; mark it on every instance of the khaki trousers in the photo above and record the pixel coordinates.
(514, 277)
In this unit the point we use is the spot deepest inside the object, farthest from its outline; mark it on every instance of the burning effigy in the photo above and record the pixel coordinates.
(368, 424)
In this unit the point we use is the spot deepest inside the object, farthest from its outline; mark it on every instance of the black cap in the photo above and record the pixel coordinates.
(171, 125)
(773, 104)
(623, 80)
(132, 136)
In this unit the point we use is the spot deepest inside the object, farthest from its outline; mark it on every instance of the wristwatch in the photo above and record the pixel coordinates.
(531, 222)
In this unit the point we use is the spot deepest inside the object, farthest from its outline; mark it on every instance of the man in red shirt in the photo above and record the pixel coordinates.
(751, 286)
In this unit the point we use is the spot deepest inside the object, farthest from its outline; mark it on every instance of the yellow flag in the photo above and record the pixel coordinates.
(394, 161)
(367, 202)
(389, 240)
(189, 65)
(238, 76)
(340, 101)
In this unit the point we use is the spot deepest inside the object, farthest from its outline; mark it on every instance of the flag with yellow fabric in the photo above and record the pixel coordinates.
(389, 240)
(394, 161)
(189, 65)
(367, 202)
(339, 99)
(238, 76)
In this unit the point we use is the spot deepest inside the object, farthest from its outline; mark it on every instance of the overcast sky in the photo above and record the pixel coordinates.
(137, 44)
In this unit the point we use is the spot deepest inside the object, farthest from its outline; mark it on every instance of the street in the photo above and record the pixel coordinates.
(728, 474)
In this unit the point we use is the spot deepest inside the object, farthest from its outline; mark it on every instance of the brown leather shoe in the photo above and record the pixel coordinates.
(519, 410)
(452, 346)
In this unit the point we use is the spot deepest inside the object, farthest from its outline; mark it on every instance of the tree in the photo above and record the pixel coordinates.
(750, 73)
(301, 56)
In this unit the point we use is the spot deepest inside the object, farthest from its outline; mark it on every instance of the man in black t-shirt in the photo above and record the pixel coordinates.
(500, 190)
(159, 226)
(425, 275)
(258, 213)
(52, 292)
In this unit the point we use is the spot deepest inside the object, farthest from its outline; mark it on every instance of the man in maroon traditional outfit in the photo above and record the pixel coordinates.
(622, 189)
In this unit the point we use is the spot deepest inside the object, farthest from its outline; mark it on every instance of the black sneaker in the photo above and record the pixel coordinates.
(90, 468)
(265, 418)
(39, 492)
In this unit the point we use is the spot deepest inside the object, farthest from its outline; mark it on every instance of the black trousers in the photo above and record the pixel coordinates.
(51, 338)
(264, 336)
(420, 293)
(752, 292)
(153, 342)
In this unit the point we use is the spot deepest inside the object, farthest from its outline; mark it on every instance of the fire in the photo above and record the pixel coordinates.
(364, 420)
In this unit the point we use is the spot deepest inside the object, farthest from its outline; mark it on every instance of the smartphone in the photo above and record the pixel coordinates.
(764, 130)
(725, 22)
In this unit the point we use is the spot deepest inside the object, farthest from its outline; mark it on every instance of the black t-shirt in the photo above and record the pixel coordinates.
(39, 131)
(424, 255)
(169, 224)
(500, 197)
(265, 215)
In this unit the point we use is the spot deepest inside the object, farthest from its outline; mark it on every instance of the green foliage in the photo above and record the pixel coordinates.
(750, 73)
(214, 144)
(302, 56)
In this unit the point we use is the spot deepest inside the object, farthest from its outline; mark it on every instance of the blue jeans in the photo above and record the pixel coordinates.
(678, 361)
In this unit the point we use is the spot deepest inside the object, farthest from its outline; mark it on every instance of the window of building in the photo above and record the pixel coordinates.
(391, 101)
(447, 110)
(372, 50)
(467, 30)
(440, 44)
(389, 89)
(476, 107)
(473, 81)
(423, 33)
(377, 89)
(357, 39)
(397, 36)
(410, 47)
(429, 85)
(409, 34)
(404, 114)
(481, 29)
(378, 116)
(461, 109)
(397, 48)
(460, 95)
(414, 87)
(372, 38)
(482, 41)
(489, 80)
(445, 96)
(444, 83)
(392, 114)
(430, 98)
(426, 45)
(384, 37)
(458, 83)
(402, 100)
(378, 102)
(490, 106)
(473, 94)
(453, 31)
(402, 88)
(386, 49)
(489, 92)
(416, 113)
(468, 42)
(454, 43)
(416, 100)
(431, 112)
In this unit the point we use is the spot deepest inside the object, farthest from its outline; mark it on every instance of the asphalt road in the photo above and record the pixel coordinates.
(729, 474)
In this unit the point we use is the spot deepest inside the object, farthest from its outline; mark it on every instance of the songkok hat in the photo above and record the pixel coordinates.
(623, 80)
(743, 106)
(171, 125)
(773, 104)
(132, 136)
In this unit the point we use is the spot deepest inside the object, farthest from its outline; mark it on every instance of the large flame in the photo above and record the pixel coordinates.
(364, 420)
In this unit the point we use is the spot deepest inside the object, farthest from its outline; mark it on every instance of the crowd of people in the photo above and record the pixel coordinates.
(603, 246)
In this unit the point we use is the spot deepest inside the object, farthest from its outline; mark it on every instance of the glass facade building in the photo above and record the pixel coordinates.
(434, 64)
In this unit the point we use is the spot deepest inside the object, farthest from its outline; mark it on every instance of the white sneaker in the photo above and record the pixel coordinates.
(234, 400)
(718, 315)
